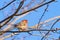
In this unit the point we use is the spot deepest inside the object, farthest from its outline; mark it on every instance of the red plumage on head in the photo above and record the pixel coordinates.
(24, 21)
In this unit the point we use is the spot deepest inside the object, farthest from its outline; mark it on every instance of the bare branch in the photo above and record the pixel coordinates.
(51, 28)
(7, 5)
(31, 30)
(35, 7)
(10, 17)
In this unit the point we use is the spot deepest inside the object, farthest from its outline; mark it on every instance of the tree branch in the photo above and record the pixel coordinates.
(51, 28)
(31, 30)
(34, 8)
(7, 5)
(10, 17)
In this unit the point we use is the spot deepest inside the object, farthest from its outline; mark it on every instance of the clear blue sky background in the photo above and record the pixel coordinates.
(33, 17)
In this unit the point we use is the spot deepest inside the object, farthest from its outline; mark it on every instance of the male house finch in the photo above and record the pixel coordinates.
(22, 26)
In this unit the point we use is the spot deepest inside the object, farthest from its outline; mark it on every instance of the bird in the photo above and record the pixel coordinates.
(23, 25)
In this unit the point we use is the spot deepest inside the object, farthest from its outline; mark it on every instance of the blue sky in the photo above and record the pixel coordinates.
(33, 17)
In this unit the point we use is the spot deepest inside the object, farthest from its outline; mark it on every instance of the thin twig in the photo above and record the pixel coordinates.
(7, 5)
(35, 8)
(50, 28)
(42, 15)
(31, 30)
(10, 17)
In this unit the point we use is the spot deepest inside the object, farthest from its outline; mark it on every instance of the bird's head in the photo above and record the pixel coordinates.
(25, 21)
